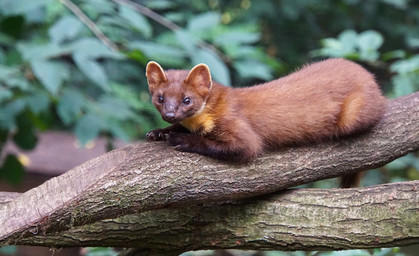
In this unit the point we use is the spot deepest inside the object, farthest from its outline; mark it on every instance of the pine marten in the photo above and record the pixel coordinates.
(322, 100)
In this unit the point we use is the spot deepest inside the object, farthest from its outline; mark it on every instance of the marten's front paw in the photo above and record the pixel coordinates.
(179, 141)
(155, 135)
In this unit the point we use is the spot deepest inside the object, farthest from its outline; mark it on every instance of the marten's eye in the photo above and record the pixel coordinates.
(186, 101)
(160, 99)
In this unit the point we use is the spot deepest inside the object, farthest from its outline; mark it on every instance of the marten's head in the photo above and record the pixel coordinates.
(178, 94)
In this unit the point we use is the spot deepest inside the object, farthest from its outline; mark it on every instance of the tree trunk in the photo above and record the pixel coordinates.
(151, 176)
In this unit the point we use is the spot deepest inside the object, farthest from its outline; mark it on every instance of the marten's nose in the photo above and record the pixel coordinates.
(170, 115)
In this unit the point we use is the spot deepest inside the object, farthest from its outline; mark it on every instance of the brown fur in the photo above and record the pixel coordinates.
(323, 100)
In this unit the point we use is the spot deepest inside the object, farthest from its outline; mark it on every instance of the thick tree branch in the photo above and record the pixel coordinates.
(306, 219)
(150, 176)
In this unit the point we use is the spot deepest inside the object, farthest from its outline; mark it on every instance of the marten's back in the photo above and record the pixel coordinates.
(322, 100)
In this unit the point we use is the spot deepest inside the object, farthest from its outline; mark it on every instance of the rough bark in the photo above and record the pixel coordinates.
(309, 219)
(151, 176)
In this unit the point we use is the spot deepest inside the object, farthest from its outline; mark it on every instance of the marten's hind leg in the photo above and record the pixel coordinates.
(350, 117)
(360, 110)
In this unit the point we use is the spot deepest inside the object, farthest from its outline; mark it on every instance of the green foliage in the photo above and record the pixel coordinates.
(8, 250)
(364, 47)
(100, 251)
(375, 252)
(350, 45)
(12, 170)
(62, 67)
(56, 74)
(406, 80)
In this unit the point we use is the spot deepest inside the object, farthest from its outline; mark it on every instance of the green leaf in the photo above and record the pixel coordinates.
(368, 43)
(94, 8)
(13, 26)
(66, 28)
(6, 40)
(396, 54)
(93, 48)
(12, 170)
(244, 52)
(251, 68)
(6, 72)
(32, 52)
(186, 40)
(275, 253)
(137, 55)
(219, 69)
(333, 48)
(402, 85)
(13, 7)
(92, 69)
(237, 37)
(13, 57)
(412, 41)
(350, 253)
(18, 82)
(70, 105)
(160, 4)
(351, 45)
(8, 250)
(130, 96)
(88, 127)
(204, 21)
(125, 72)
(100, 251)
(116, 108)
(333, 44)
(5, 94)
(400, 4)
(9, 113)
(136, 20)
(348, 40)
(50, 73)
(25, 137)
(383, 252)
(159, 52)
(406, 66)
(118, 131)
(38, 101)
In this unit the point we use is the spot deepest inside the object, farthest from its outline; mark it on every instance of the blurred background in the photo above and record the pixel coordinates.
(72, 82)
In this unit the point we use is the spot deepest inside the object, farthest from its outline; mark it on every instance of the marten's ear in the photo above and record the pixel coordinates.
(200, 77)
(155, 75)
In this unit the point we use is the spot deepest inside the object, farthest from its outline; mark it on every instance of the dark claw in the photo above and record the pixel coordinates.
(155, 135)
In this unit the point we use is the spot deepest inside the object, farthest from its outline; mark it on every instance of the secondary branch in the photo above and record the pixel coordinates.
(305, 219)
